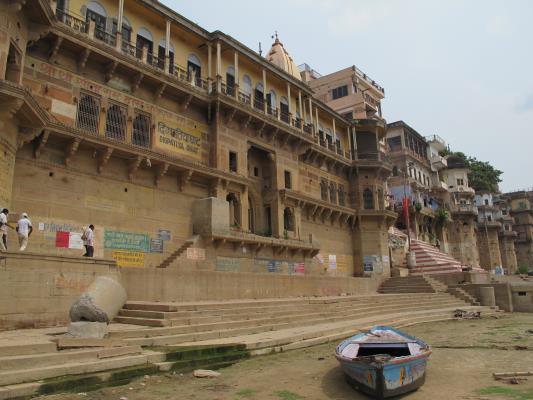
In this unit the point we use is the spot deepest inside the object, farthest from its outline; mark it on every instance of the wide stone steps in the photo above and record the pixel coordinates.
(430, 260)
(253, 326)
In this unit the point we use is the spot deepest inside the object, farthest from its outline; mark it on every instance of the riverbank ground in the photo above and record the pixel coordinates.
(466, 354)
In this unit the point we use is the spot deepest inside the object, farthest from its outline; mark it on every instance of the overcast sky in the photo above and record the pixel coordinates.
(460, 69)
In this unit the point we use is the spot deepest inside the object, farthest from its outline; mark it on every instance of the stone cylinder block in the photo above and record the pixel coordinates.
(487, 296)
(411, 259)
(100, 303)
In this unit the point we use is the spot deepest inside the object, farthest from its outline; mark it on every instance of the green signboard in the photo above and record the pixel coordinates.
(127, 241)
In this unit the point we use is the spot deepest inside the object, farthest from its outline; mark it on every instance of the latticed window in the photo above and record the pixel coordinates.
(141, 130)
(342, 196)
(368, 199)
(115, 124)
(324, 189)
(333, 192)
(88, 113)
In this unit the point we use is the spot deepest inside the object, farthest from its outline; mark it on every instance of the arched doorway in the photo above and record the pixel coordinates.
(234, 210)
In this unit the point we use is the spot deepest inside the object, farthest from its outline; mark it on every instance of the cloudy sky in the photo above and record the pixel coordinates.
(462, 69)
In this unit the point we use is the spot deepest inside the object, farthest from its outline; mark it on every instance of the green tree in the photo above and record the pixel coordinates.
(482, 175)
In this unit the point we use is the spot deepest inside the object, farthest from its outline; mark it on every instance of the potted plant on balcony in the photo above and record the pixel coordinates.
(418, 207)
(441, 217)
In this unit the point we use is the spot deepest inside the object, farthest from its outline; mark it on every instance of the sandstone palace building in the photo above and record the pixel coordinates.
(186, 148)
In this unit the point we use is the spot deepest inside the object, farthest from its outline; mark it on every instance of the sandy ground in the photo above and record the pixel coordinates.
(466, 353)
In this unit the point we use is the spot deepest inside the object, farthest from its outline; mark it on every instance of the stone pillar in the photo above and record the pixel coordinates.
(371, 247)
(167, 47)
(463, 244)
(236, 67)
(264, 90)
(302, 111)
(120, 18)
(209, 67)
(219, 68)
(487, 296)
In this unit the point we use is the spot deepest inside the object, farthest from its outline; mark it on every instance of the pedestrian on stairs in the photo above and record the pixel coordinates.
(88, 241)
(437, 244)
(3, 229)
(24, 230)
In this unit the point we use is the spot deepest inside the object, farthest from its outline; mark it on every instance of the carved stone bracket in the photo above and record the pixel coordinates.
(187, 102)
(134, 166)
(41, 143)
(104, 158)
(161, 171)
(136, 82)
(159, 91)
(231, 115)
(110, 70)
(55, 48)
(247, 121)
(184, 178)
(71, 150)
(83, 57)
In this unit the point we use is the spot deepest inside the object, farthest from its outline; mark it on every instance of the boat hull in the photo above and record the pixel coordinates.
(388, 379)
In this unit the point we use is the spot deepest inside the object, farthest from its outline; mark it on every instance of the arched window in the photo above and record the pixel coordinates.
(141, 130)
(342, 196)
(368, 199)
(126, 32)
(271, 102)
(284, 109)
(324, 189)
(288, 219)
(161, 56)
(230, 81)
(259, 96)
(329, 137)
(333, 192)
(194, 70)
(247, 85)
(234, 210)
(97, 13)
(321, 135)
(145, 39)
(88, 113)
(115, 124)
(395, 171)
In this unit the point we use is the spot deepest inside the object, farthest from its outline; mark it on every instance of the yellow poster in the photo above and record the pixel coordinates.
(128, 258)
(180, 136)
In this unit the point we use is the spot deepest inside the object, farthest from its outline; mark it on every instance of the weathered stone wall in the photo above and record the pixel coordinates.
(508, 253)
(462, 240)
(522, 296)
(37, 290)
(489, 247)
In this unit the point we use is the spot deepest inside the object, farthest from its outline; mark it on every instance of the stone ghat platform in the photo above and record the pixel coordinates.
(151, 337)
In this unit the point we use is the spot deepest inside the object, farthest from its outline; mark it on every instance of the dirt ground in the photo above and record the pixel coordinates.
(466, 353)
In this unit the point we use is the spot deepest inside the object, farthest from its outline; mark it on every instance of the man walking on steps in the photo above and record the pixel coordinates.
(88, 241)
(24, 230)
(3, 229)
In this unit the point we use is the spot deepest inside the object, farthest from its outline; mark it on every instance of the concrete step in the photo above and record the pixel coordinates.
(148, 339)
(72, 368)
(65, 356)
(248, 319)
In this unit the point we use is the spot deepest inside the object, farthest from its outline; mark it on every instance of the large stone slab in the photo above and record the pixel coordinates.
(88, 330)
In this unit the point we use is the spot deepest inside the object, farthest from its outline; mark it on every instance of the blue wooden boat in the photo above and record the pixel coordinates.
(384, 362)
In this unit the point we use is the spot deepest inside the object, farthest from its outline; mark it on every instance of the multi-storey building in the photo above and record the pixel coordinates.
(507, 236)
(414, 175)
(127, 115)
(488, 229)
(522, 213)
(462, 230)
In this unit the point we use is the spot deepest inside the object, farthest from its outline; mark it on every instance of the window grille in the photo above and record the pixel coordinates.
(342, 195)
(324, 189)
(115, 124)
(141, 130)
(333, 192)
(88, 113)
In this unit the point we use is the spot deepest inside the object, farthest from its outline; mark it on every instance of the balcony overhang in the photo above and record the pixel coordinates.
(387, 217)
(314, 209)
(255, 243)
(379, 127)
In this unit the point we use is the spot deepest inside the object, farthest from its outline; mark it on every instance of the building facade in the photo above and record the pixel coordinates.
(168, 137)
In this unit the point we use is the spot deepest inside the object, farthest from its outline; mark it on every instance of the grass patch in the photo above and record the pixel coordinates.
(246, 393)
(510, 393)
(286, 395)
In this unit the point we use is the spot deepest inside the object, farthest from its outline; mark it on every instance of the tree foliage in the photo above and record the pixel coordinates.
(482, 175)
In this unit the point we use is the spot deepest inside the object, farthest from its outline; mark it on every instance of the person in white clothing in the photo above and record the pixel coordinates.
(3, 229)
(88, 241)
(24, 230)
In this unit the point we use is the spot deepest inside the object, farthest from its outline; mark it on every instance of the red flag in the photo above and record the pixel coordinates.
(406, 210)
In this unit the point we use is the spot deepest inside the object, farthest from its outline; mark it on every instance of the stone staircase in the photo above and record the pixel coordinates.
(430, 260)
(150, 337)
(176, 254)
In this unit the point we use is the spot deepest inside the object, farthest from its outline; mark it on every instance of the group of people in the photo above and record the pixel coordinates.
(24, 230)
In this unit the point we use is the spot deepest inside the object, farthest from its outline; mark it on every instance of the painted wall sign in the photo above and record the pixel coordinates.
(332, 262)
(195, 254)
(69, 240)
(228, 264)
(368, 263)
(179, 136)
(156, 246)
(128, 258)
(127, 241)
